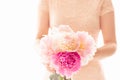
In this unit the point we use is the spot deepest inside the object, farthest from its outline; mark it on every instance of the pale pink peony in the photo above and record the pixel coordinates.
(87, 46)
(46, 48)
(64, 38)
(66, 63)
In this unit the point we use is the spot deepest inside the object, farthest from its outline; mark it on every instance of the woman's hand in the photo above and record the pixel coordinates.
(49, 68)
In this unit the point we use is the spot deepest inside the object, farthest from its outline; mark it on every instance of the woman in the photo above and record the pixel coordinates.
(92, 16)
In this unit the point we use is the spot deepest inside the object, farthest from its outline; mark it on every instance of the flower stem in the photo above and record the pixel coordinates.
(56, 76)
(66, 79)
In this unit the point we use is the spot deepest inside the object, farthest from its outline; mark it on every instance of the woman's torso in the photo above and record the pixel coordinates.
(82, 15)
(79, 14)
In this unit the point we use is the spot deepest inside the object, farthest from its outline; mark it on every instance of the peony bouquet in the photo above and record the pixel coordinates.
(66, 51)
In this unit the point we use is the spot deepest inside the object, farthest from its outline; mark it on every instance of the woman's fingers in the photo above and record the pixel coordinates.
(50, 69)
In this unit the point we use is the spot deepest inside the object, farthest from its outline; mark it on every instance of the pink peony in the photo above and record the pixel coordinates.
(66, 63)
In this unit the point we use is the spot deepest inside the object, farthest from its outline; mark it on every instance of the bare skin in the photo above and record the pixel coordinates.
(52, 17)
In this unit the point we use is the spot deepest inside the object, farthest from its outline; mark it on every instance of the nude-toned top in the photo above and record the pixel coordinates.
(80, 15)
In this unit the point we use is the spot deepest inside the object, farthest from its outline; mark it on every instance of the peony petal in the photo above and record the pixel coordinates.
(66, 63)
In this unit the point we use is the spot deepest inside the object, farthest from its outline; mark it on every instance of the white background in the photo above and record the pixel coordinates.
(18, 25)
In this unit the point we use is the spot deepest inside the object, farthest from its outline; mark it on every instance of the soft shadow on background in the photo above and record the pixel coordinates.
(18, 27)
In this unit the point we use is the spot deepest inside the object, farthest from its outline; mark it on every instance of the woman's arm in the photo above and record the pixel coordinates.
(43, 23)
(109, 37)
(43, 19)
